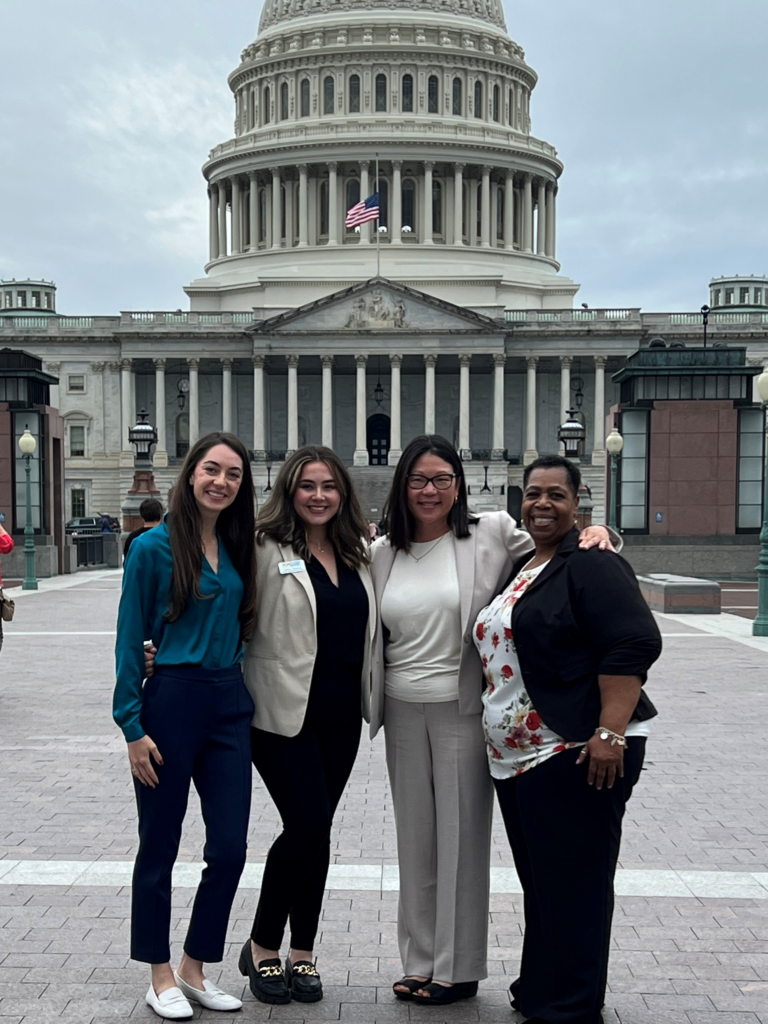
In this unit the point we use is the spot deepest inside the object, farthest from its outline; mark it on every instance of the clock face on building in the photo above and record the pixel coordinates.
(184, 386)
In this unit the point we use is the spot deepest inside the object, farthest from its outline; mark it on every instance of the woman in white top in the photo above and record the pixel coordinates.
(432, 573)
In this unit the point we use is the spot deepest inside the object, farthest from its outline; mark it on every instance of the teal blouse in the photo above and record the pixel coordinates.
(207, 634)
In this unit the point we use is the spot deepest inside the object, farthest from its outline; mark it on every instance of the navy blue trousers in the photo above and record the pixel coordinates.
(200, 720)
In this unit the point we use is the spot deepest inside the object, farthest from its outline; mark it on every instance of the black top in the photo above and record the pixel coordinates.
(583, 616)
(132, 537)
(342, 617)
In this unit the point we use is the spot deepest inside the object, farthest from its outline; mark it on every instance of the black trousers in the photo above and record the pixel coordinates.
(565, 838)
(200, 720)
(305, 776)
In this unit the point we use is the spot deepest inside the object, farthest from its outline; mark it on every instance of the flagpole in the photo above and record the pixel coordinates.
(378, 252)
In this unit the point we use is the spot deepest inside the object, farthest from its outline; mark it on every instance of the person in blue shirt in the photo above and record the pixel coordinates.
(189, 587)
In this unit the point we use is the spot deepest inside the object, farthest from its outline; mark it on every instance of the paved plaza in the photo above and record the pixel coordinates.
(690, 939)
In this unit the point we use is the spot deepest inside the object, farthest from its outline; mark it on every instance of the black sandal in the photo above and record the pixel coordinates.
(267, 981)
(303, 981)
(441, 995)
(411, 984)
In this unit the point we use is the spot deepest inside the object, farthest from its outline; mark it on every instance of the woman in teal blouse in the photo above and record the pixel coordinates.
(189, 587)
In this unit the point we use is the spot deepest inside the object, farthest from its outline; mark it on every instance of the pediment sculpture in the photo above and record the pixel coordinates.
(374, 313)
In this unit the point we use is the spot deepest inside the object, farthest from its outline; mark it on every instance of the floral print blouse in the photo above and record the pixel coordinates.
(516, 737)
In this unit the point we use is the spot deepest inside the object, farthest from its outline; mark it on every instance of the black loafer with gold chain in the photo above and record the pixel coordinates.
(303, 981)
(267, 981)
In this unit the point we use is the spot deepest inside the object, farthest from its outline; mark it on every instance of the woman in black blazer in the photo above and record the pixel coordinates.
(566, 647)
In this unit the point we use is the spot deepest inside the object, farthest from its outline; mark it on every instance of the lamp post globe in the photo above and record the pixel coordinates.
(760, 625)
(28, 446)
(614, 443)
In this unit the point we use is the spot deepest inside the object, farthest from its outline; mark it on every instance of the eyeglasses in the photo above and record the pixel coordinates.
(443, 481)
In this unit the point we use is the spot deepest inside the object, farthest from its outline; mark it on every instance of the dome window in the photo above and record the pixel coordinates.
(324, 208)
(496, 103)
(457, 97)
(266, 104)
(432, 95)
(478, 99)
(408, 205)
(381, 93)
(407, 94)
(437, 207)
(354, 94)
(304, 97)
(500, 214)
(284, 101)
(328, 94)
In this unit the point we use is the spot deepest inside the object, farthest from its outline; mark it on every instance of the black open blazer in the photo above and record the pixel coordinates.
(583, 616)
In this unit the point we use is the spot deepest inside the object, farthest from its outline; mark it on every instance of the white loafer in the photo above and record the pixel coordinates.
(211, 997)
(170, 1004)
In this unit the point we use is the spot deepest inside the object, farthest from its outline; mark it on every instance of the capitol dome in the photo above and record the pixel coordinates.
(437, 96)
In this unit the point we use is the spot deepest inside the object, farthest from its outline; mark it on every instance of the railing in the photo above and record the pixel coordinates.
(618, 314)
(732, 318)
(90, 550)
(681, 319)
(30, 321)
(515, 315)
(242, 318)
(75, 322)
(585, 314)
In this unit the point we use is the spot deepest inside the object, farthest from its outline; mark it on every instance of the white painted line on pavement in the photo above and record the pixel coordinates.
(729, 627)
(45, 586)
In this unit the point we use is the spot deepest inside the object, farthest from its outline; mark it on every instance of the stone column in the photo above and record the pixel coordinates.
(293, 404)
(499, 365)
(509, 210)
(396, 204)
(361, 408)
(485, 209)
(365, 229)
(237, 217)
(395, 431)
(268, 216)
(327, 434)
(527, 213)
(426, 237)
(550, 235)
(222, 186)
(430, 363)
(276, 202)
(598, 438)
(465, 450)
(194, 401)
(333, 204)
(541, 234)
(160, 457)
(258, 407)
(253, 211)
(458, 204)
(565, 391)
(303, 210)
(530, 411)
(226, 395)
(126, 402)
(213, 223)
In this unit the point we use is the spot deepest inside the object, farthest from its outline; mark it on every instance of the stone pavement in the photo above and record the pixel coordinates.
(690, 941)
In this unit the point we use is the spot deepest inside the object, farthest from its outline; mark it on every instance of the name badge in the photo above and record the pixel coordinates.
(290, 568)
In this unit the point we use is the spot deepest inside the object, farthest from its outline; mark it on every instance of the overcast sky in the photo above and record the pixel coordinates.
(108, 110)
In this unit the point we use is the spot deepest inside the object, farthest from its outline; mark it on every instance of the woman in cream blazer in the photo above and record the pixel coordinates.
(307, 667)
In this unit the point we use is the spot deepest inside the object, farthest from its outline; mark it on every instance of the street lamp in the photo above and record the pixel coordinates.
(28, 444)
(705, 322)
(760, 625)
(614, 443)
(144, 438)
(571, 435)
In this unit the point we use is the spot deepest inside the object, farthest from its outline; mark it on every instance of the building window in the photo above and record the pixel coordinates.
(464, 195)
(496, 103)
(407, 94)
(283, 211)
(511, 108)
(323, 207)
(749, 513)
(717, 297)
(9, 300)
(353, 197)
(457, 98)
(478, 99)
(500, 214)
(77, 442)
(284, 101)
(36, 303)
(182, 435)
(408, 192)
(266, 104)
(262, 215)
(354, 94)
(304, 98)
(381, 92)
(743, 296)
(437, 207)
(76, 383)
(633, 470)
(729, 296)
(479, 222)
(383, 188)
(328, 94)
(77, 502)
(758, 296)
(432, 95)
(21, 299)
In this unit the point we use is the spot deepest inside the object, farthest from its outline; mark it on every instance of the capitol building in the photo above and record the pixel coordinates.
(450, 314)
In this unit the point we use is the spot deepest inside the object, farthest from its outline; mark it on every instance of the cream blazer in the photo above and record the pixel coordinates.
(280, 656)
(483, 562)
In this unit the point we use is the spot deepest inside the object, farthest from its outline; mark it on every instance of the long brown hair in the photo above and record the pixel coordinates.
(235, 527)
(398, 519)
(278, 520)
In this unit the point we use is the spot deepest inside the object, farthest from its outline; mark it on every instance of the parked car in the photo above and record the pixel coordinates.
(84, 525)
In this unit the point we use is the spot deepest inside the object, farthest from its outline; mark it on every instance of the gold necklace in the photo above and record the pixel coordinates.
(318, 546)
(419, 558)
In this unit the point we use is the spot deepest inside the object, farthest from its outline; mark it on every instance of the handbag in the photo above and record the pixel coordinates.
(7, 608)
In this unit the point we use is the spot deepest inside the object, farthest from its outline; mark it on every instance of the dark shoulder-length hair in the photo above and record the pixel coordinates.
(279, 520)
(236, 527)
(398, 519)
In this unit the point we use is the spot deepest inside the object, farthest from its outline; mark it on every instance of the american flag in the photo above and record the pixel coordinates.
(362, 212)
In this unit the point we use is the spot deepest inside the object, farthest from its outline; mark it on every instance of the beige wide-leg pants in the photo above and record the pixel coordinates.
(443, 802)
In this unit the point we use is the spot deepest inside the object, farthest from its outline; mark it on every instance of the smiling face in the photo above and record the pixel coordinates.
(317, 498)
(216, 479)
(549, 506)
(431, 506)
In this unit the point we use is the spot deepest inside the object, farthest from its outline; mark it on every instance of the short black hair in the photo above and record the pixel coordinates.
(151, 510)
(555, 462)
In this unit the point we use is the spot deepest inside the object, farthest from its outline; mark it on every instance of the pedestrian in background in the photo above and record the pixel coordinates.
(151, 511)
(189, 586)
(6, 547)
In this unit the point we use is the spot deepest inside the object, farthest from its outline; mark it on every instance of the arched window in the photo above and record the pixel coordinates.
(354, 94)
(284, 101)
(381, 92)
(500, 213)
(262, 215)
(251, 109)
(328, 94)
(432, 94)
(457, 98)
(511, 108)
(283, 211)
(496, 103)
(323, 207)
(266, 104)
(353, 196)
(383, 203)
(478, 99)
(479, 200)
(304, 98)
(437, 207)
(408, 205)
(407, 94)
